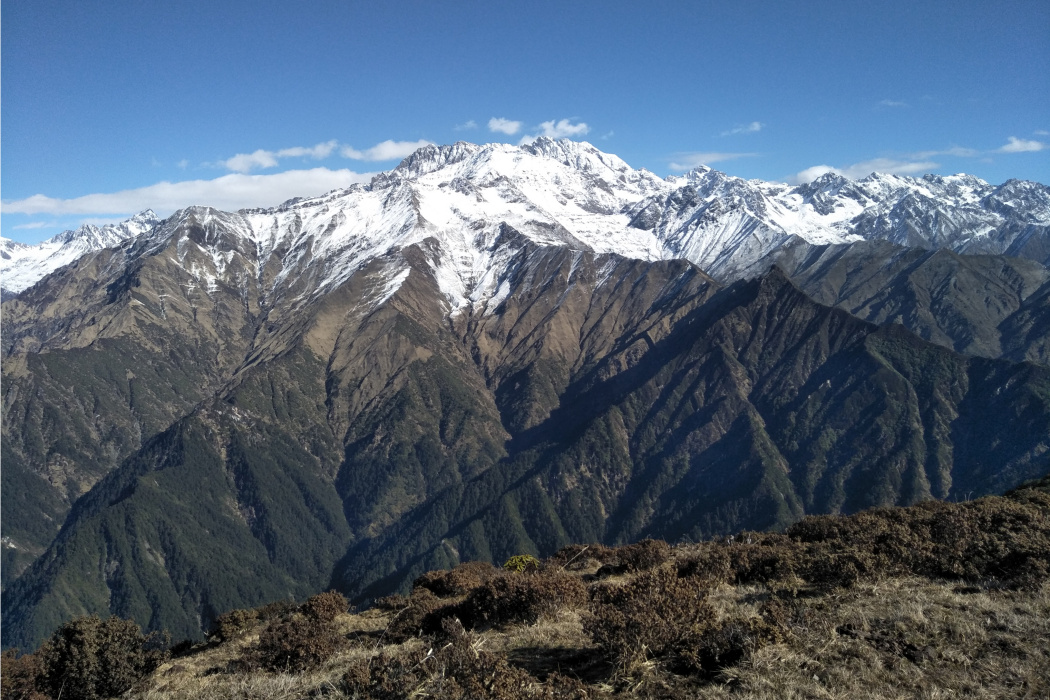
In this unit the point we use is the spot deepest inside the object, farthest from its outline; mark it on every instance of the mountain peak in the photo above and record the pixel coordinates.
(432, 157)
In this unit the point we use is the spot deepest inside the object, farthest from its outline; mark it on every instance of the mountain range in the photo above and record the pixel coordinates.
(494, 350)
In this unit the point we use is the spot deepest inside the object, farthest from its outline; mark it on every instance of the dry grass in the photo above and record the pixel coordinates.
(764, 617)
(899, 638)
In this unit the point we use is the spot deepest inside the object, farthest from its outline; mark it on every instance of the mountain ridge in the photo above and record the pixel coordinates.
(493, 350)
(570, 192)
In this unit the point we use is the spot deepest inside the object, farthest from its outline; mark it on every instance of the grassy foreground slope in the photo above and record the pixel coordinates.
(934, 600)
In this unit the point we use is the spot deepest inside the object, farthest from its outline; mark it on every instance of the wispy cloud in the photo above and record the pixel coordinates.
(865, 168)
(468, 125)
(261, 159)
(688, 161)
(34, 225)
(229, 192)
(182, 164)
(915, 163)
(560, 129)
(956, 151)
(752, 128)
(387, 150)
(892, 103)
(499, 125)
(1016, 145)
(1042, 132)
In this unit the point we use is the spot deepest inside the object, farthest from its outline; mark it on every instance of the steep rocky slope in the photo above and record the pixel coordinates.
(623, 400)
(986, 305)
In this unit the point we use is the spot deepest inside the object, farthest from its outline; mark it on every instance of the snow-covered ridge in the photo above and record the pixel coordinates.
(453, 200)
(22, 266)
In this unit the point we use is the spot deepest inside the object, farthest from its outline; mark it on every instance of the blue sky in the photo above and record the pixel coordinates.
(113, 106)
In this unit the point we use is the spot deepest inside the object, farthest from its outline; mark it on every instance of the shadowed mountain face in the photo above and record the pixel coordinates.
(368, 437)
(986, 305)
(110, 352)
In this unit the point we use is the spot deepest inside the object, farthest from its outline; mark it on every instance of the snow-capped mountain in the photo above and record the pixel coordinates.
(355, 387)
(23, 265)
(568, 193)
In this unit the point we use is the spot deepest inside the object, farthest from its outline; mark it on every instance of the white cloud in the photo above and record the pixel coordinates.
(688, 161)
(387, 150)
(183, 164)
(1016, 145)
(246, 162)
(892, 103)
(34, 225)
(229, 192)
(865, 168)
(261, 159)
(466, 126)
(753, 127)
(561, 129)
(504, 126)
(1042, 132)
(318, 152)
(812, 173)
(957, 151)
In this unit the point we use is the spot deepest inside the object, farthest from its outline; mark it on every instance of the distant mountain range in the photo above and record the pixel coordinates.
(23, 265)
(493, 350)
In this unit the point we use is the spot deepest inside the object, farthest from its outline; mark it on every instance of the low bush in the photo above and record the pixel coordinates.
(90, 658)
(520, 598)
(458, 581)
(644, 555)
(522, 563)
(20, 676)
(408, 621)
(234, 624)
(325, 607)
(574, 556)
(294, 644)
(276, 609)
(651, 615)
(724, 644)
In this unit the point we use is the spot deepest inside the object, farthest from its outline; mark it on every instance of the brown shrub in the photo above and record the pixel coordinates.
(234, 624)
(515, 598)
(1007, 539)
(766, 562)
(294, 644)
(712, 561)
(831, 569)
(325, 607)
(725, 644)
(650, 615)
(90, 658)
(575, 555)
(408, 621)
(386, 676)
(276, 609)
(644, 555)
(20, 676)
(457, 581)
